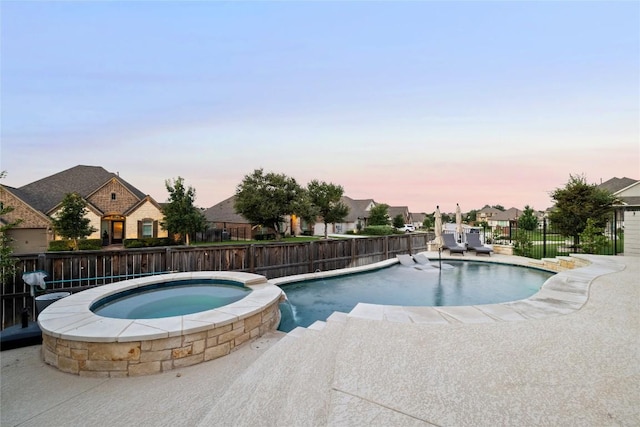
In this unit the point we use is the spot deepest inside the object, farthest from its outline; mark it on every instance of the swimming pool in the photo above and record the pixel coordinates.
(167, 299)
(77, 340)
(467, 283)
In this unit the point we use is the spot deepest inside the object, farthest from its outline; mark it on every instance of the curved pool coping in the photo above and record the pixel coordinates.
(78, 341)
(70, 318)
(563, 293)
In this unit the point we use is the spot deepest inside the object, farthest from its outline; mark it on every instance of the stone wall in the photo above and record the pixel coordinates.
(30, 217)
(123, 359)
(145, 211)
(124, 201)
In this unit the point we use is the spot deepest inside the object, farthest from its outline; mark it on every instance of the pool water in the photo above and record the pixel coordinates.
(467, 283)
(168, 300)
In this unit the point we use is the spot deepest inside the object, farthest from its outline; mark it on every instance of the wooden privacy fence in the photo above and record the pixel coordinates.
(76, 271)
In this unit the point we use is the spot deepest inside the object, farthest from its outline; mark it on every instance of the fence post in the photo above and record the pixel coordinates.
(168, 259)
(386, 247)
(544, 237)
(252, 257)
(615, 232)
(353, 251)
(42, 261)
(312, 245)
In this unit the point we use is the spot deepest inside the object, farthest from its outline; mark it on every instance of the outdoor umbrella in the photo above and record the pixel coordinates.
(438, 227)
(438, 230)
(458, 222)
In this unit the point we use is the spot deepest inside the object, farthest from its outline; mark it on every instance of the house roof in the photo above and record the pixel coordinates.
(398, 210)
(46, 193)
(225, 211)
(418, 216)
(507, 215)
(357, 208)
(488, 210)
(631, 201)
(614, 185)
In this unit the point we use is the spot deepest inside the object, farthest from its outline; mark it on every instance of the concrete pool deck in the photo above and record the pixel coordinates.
(576, 368)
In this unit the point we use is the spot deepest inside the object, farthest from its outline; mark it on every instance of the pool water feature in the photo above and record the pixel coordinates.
(467, 283)
(173, 298)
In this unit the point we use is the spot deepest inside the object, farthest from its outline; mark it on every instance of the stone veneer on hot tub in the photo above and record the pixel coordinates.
(77, 341)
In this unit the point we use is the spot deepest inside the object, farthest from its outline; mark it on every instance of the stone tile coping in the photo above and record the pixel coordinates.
(70, 318)
(563, 293)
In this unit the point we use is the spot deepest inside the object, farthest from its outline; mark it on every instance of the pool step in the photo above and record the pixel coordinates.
(318, 325)
(560, 263)
(292, 379)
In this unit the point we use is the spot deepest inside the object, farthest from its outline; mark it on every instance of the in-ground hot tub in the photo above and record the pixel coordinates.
(79, 341)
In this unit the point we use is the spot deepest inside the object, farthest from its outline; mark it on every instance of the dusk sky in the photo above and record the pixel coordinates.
(409, 103)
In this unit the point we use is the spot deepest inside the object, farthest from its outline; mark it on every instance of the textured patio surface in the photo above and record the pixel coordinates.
(532, 364)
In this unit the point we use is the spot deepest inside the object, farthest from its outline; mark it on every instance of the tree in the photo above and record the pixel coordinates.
(70, 222)
(499, 207)
(576, 203)
(470, 216)
(264, 199)
(326, 199)
(181, 217)
(523, 244)
(7, 262)
(428, 222)
(379, 215)
(398, 221)
(592, 238)
(528, 220)
(306, 210)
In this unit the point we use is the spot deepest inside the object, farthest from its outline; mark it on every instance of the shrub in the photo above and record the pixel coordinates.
(133, 243)
(67, 245)
(89, 244)
(378, 230)
(60, 245)
(592, 239)
(147, 242)
(523, 246)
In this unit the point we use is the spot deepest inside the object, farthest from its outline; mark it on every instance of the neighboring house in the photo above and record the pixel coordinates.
(502, 219)
(402, 211)
(358, 214)
(627, 190)
(114, 206)
(223, 216)
(418, 219)
(485, 214)
(617, 185)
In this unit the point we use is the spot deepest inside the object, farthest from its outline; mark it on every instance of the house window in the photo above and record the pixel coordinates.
(113, 196)
(147, 228)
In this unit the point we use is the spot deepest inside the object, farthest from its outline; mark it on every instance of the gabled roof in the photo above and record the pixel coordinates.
(46, 193)
(489, 210)
(142, 202)
(507, 215)
(418, 216)
(614, 185)
(394, 211)
(357, 208)
(24, 198)
(225, 211)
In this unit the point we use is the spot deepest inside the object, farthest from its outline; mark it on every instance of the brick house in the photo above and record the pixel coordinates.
(116, 208)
